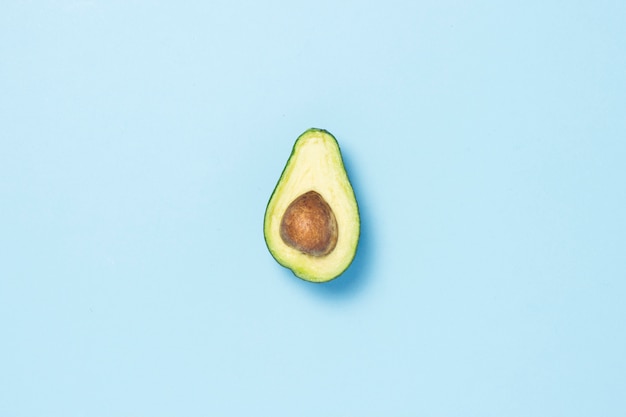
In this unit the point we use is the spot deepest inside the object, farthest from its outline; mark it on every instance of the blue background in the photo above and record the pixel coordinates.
(141, 140)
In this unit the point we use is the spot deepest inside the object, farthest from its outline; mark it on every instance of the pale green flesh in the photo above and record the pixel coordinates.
(315, 164)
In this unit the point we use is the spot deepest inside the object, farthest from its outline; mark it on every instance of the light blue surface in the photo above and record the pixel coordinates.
(140, 142)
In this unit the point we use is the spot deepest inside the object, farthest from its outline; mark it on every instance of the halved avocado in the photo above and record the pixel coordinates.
(312, 220)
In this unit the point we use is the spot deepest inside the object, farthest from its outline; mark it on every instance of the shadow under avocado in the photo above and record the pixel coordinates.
(355, 278)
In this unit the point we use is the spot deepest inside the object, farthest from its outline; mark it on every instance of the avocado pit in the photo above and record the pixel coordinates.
(309, 225)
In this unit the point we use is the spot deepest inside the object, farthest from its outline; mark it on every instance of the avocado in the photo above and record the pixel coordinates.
(312, 220)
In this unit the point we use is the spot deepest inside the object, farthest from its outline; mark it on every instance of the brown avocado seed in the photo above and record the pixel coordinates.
(309, 225)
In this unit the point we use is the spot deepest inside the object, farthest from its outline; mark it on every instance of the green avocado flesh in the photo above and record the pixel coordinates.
(312, 219)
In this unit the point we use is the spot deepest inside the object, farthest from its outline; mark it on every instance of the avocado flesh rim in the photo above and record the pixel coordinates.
(315, 165)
